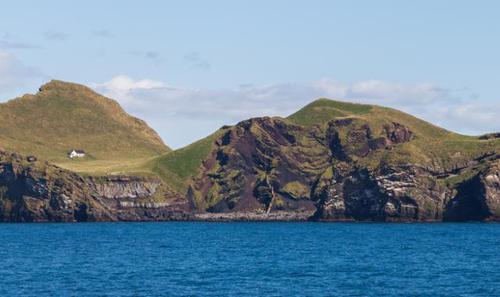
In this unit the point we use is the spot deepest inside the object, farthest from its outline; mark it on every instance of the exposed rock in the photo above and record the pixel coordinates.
(390, 194)
(256, 158)
(398, 133)
(477, 198)
(490, 136)
(42, 192)
(267, 165)
(490, 180)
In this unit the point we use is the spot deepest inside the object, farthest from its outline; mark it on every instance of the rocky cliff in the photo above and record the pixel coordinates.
(35, 191)
(345, 169)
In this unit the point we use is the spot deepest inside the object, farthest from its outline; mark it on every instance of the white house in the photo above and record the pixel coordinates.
(76, 154)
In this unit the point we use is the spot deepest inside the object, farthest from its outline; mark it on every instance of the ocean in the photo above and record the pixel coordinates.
(250, 259)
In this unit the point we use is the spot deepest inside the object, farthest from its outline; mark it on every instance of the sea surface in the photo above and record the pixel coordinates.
(249, 259)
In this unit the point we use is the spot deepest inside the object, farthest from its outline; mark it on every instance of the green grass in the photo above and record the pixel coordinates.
(323, 110)
(431, 144)
(296, 190)
(176, 167)
(138, 166)
(64, 116)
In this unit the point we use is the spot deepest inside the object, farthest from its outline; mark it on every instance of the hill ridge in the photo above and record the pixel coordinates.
(63, 115)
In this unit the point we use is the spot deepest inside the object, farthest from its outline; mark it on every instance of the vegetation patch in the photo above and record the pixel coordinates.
(296, 190)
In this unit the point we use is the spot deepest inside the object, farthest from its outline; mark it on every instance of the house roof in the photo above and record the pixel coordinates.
(77, 151)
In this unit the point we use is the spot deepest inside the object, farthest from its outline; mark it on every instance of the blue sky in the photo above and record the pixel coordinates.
(188, 67)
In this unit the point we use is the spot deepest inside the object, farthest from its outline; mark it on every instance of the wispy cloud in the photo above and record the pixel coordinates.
(123, 87)
(195, 60)
(383, 91)
(102, 33)
(14, 73)
(150, 56)
(459, 110)
(56, 36)
(8, 41)
(201, 111)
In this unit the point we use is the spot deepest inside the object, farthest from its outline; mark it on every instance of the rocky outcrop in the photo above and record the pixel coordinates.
(268, 167)
(33, 191)
(123, 187)
(490, 136)
(490, 182)
(261, 165)
(389, 194)
(477, 198)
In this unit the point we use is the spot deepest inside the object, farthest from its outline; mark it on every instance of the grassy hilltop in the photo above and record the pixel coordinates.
(431, 142)
(64, 116)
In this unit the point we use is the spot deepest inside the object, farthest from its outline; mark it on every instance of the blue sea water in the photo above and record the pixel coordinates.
(249, 259)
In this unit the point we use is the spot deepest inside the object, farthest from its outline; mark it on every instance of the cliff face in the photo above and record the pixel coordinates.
(478, 198)
(37, 192)
(348, 169)
(262, 166)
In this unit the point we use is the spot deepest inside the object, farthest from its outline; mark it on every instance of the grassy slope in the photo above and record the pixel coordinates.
(176, 167)
(323, 110)
(431, 142)
(64, 116)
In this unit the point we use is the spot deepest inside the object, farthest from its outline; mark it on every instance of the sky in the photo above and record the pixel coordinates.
(189, 67)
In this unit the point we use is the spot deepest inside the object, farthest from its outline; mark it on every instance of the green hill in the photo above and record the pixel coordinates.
(64, 116)
(335, 160)
(431, 142)
(432, 145)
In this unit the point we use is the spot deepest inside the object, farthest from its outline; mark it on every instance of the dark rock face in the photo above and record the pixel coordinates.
(490, 136)
(42, 192)
(409, 193)
(390, 194)
(267, 166)
(477, 198)
(259, 166)
(398, 133)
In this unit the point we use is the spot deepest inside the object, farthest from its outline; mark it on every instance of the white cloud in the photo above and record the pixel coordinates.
(183, 115)
(123, 88)
(13, 73)
(124, 83)
(463, 117)
(457, 110)
(383, 91)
